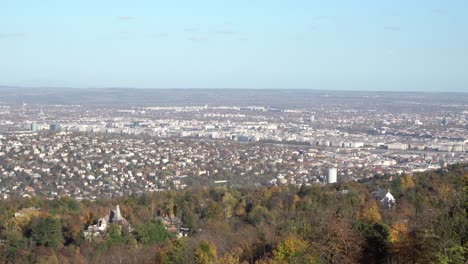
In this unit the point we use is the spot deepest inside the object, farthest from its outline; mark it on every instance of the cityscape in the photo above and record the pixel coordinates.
(233, 132)
(88, 151)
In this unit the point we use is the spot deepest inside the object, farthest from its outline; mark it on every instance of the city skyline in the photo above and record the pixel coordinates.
(398, 46)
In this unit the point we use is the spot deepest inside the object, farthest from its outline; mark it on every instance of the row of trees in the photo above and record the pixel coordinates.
(340, 223)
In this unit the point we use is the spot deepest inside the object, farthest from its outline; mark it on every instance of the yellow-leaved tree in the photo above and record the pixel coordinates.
(205, 253)
(399, 241)
(407, 182)
(369, 211)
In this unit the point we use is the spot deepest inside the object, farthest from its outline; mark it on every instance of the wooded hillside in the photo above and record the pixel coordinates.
(339, 223)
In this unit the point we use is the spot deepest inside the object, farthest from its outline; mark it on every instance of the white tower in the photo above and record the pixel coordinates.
(332, 175)
(118, 215)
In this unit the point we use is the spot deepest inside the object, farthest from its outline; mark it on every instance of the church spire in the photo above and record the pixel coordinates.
(118, 216)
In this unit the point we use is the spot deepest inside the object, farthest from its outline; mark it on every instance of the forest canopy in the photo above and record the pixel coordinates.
(338, 223)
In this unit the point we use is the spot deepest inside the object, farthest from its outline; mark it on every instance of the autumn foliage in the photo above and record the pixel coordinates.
(339, 223)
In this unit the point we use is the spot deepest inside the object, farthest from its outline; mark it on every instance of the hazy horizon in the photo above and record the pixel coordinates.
(233, 89)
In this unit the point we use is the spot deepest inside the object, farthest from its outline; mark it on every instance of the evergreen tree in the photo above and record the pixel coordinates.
(48, 232)
(152, 232)
(114, 235)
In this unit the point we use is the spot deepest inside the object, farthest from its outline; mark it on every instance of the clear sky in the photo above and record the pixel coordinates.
(419, 45)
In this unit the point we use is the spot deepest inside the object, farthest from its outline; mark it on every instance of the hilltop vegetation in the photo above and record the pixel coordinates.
(340, 223)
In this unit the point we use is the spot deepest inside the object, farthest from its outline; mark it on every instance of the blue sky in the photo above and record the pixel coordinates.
(346, 45)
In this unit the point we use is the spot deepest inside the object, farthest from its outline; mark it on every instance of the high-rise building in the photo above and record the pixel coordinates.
(332, 175)
(34, 127)
(54, 127)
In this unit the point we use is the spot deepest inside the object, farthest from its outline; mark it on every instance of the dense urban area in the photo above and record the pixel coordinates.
(232, 176)
(88, 151)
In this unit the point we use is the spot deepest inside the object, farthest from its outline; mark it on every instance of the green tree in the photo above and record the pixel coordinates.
(258, 215)
(114, 235)
(395, 187)
(48, 232)
(454, 255)
(15, 242)
(152, 232)
(376, 236)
